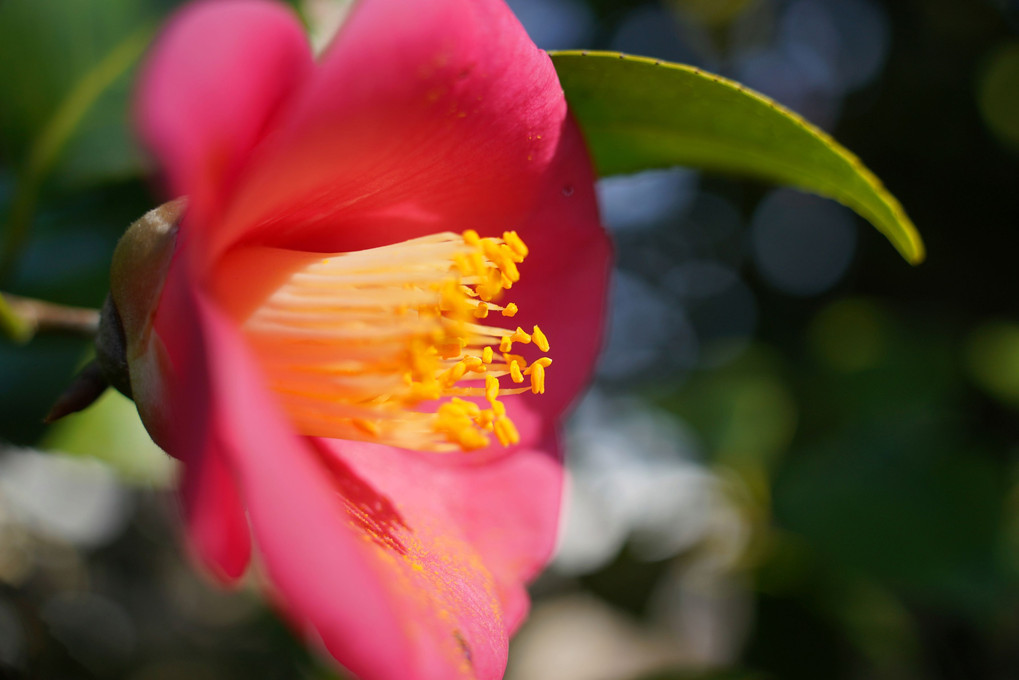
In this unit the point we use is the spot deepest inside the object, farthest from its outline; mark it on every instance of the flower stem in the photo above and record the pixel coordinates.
(22, 318)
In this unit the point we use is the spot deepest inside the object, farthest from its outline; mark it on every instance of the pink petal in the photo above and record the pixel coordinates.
(506, 509)
(392, 594)
(443, 117)
(564, 280)
(217, 526)
(211, 86)
(215, 519)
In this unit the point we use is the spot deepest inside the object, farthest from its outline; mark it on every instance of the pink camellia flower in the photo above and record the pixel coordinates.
(347, 337)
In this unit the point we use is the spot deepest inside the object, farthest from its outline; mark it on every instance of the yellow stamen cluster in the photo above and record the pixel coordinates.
(387, 345)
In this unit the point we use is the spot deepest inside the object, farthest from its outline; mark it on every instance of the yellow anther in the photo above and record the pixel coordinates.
(544, 362)
(475, 364)
(467, 407)
(424, 392)
(445, 413)
(367, 426)
(466, 437)
(451, 416)
(455, 373)
(423, 364)
(515, 243)
(537, 378)
(454, 419)
(502, 257)
(478, 263)
(486, 419)
(515, 374)
(508, 264)
(510, 310)
(473, 441)
(539, 339)
(492, 388)
(520, 335)
(452, 299)
(471, 237)
(491, 285)
(506, 344)
(487, 354)
(481, 311)
(450, 350)
(490, 247)
(505, 431)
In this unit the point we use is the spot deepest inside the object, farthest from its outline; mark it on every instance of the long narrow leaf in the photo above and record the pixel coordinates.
(638, 114)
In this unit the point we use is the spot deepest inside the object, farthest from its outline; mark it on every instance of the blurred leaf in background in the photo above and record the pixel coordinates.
(998, 93)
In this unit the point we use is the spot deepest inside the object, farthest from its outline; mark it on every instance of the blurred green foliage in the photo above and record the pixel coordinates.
(999, 93)
(111, 432)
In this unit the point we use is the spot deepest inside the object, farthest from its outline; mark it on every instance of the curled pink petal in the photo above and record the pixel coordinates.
(441, 118)
(216, 521)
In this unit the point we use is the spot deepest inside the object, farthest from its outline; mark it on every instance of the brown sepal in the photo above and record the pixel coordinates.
(86, 387)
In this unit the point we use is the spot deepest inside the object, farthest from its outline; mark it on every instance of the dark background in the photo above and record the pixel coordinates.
(799, 456)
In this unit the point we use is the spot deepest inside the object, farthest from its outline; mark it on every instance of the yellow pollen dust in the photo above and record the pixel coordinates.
(387, 345)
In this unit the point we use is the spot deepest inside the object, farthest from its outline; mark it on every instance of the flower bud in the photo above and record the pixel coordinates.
(139, 268)
(131, 356)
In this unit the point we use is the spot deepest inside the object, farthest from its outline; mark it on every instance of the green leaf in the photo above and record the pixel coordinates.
(638, 114)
